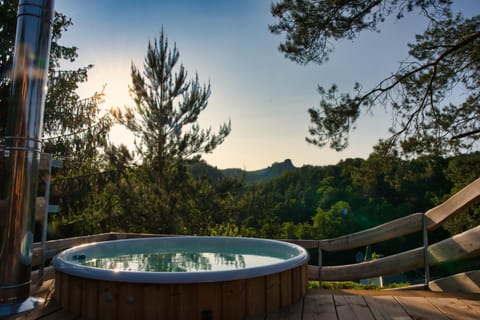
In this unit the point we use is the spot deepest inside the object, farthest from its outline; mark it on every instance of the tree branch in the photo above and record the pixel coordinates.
(434, 63)
(429, 89)
(465, 134)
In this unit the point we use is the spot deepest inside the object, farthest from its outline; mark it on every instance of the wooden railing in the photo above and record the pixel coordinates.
(460, 246)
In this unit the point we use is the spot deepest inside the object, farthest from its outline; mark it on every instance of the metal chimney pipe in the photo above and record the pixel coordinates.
(22, 150)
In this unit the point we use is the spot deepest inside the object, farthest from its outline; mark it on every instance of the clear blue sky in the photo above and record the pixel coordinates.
(228, 43)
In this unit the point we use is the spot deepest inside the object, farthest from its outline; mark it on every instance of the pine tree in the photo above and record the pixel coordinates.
(74, 130)
(444, 59)
(164, 121)
(167, 106)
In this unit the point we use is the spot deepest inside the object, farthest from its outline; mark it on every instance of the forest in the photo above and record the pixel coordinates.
(310, 202)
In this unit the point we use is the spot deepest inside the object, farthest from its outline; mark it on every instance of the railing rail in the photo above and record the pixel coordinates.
(460, 246)
(402, 226)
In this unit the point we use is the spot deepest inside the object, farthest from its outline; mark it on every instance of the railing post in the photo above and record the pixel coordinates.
(425, 252)
(320, 258)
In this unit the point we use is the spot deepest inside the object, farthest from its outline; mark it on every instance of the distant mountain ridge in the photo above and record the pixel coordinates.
(262, 175)
(203, 169)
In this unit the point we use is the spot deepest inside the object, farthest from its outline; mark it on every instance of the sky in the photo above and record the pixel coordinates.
(228, 43)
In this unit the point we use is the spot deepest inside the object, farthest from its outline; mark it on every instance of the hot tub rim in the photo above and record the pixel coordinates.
(74, 269)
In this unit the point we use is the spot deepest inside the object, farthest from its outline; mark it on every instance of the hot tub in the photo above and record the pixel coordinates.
(180, 278)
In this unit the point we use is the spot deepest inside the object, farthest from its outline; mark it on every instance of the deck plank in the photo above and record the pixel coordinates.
(352, 308)
(420, 308)
(292, 312)
(473, 303)
(319, 307)
(40, 311)
(330, 305)
(61, 315)
(455, 308)
(386, 307)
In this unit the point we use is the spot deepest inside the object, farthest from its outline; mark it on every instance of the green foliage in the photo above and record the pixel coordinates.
(161, 196)
(8, 24)
(262, 175)
(352, 196)
(443, 60)
(270, 173)
(462, 170)
(226, 230)
(108, 192)
(312, 27)
(167, 106)
(69, 122)
(334, 222)
(340, 285)
(329, 285)
(74, 129)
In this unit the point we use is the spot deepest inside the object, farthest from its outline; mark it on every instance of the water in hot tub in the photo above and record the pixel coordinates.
(181, 261)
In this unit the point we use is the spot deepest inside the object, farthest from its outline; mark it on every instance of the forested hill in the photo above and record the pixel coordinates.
(250, 177)
(262, 175)
(308, 202)
(317, 202)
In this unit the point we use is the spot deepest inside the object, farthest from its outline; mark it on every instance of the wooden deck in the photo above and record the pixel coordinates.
(333, 305)
(375, 305)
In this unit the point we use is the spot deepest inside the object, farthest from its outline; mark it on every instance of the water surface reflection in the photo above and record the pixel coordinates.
(180, 261)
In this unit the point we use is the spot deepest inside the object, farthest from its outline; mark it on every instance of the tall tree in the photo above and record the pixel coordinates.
(164, 121)
(68, 118)
(167, 106)
(445, 59)
(8, 25)
(74, 130)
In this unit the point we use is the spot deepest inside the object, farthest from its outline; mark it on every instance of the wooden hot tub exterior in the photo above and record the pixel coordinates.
(236, 299)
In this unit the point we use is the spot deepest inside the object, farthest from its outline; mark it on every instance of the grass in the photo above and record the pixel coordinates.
(332, 285)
